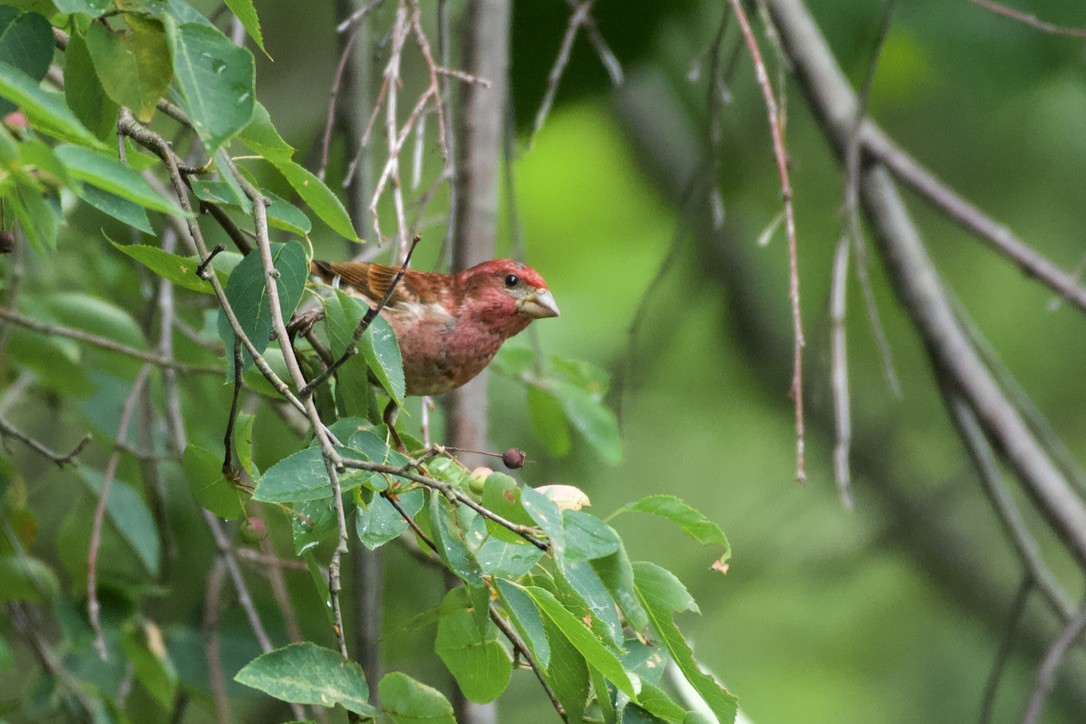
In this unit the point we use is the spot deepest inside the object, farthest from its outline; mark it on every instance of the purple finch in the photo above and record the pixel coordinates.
(449, 326)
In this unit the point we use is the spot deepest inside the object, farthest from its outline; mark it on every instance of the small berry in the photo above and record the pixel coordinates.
(514, 458)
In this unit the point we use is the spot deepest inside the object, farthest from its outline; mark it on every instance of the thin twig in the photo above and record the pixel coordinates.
(842, 417)
(357, 16)
(61, 460)
(936, 193)
(32, 631)
(781, 154)
(104, 343)
(333, 99)
(175, 424)
(603, 50)
(408, 519)
(576, 20)
(158, 145)
(212, 613)
(851, 209)
(450, 492)
(1006, 645)
(522, 649)
(852, 233)
(1010, 517)
(93, 607)
(1046, 672)
(1031, 20)
(331, 458)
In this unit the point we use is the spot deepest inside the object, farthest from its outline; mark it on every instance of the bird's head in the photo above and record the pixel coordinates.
(504, 291)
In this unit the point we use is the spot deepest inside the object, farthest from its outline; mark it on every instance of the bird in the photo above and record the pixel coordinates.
(449, 326)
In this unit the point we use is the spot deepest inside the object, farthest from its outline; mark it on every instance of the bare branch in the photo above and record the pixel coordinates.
(781, 154)
(1046, 672)
(104, 343)
(93, 608)
(62, 460)
(1031, 20)
(522, 649)
(576, 20)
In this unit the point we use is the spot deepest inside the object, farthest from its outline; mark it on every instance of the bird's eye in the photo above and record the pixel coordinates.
(511, 280)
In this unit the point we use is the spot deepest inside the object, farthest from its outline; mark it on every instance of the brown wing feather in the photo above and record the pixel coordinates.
(369, 280)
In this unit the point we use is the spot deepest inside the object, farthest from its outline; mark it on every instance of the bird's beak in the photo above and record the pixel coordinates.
(539, 303)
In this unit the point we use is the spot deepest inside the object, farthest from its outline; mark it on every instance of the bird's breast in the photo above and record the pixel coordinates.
(440, 352)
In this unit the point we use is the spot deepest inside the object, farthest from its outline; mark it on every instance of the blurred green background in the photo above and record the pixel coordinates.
(891, 612)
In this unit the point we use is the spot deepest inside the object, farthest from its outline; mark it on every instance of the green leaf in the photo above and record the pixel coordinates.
(35, 214)
(246, 13)
(181, 270)
(476, 660)
(603, 696)
(320, 584)
(656, 701)
(26, 579)
(262, 138)
(54, 365)
(407, 701)
(217, 81)
(597, 424)
(243, 443)
(309, 674)
(109, 174)
(513, 361)
(7, 659)
(353, 387)
(527, 620)
(662, 595)
(696, 525)
(281, 214)
(297, 477)
(248, 295)
(593, 650)
(203, 470)
(46, 111)
(450, 538)
(133, 65)
(567, 673)
(313, 521)
(547, 516)
(586, 588)
(142, 645)
(97, 316)
(617, 575)
(382, 352)
(500, 558)
(548, 421)
(286, 216)
(381, 522)
(84, 91)
(325, 204)
(587, 537)
(221, 193)
(112, 205)
(93, 8)
(130, 517)
(26, 42)
(592, 379)
(501, 494)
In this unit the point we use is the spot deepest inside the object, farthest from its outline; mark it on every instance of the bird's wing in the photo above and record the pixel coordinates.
(369, 280)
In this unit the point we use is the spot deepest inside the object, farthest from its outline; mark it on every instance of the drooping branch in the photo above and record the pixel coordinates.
(917, 283)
